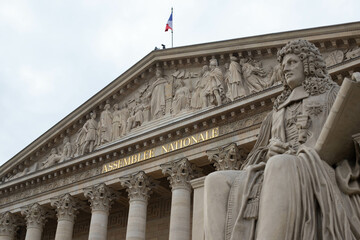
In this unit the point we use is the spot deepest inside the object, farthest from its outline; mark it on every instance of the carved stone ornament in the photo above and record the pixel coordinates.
(35, 215)
(7, 224)
(100, 197)
(66, 207)
(180, 173)
(229, 157)
(138, 186)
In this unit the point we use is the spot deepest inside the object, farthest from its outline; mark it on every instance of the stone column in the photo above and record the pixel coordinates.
(35, 216)
(100, 198)
(180, 173)
(66, 209)
(7, 226)
(139, 188)
(229, 157)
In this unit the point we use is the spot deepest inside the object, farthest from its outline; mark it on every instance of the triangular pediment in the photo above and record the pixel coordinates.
(170, 88)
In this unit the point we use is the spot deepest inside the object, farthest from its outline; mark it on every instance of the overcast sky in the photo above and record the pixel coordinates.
(56, 54)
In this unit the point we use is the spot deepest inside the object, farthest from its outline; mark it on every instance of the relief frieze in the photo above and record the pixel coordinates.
(163, 94)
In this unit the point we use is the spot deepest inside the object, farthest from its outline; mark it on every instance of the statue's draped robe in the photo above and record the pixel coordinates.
(213, 84)
(106, 126)
(235, 82)
(323, 201)
(157, 102)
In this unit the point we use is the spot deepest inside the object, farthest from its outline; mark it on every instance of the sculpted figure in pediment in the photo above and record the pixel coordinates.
(87, 137)
(213, 86)
(67, 151)
(105, 128)
(116, 123)
(157, 95)
(234, 81)
(254, 75)
(136, 118)
(285, 190)
(182, 97)
(196, 99)
(53, 158)
(124, 116)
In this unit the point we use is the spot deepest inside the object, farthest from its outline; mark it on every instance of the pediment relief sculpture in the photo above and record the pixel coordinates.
(339, 56)
(166, 92)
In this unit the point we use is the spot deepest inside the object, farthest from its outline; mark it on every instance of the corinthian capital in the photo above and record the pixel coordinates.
(100, 197)
(8, 224)
(35, 215)
(180, 173)
(229, 157)
(138, 186)
(66, 207)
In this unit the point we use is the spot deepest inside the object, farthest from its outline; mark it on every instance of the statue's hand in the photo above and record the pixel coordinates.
(356, 76)
(276, 147)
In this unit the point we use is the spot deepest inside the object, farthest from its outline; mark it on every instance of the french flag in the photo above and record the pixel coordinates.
(169, 23)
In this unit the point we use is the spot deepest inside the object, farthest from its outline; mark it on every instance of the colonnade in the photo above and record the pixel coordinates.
(139, 187)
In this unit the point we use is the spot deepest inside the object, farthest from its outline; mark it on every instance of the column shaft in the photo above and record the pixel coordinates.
(33, 233)
(180, 214)
(64, 230)
(98, 225)
(6, 238)
(136, 226)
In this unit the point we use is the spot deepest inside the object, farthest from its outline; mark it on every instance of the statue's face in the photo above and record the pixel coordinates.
(293, 70)
(158, 73)
(212, 66)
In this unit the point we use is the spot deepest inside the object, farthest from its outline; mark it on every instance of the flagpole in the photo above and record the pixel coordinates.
(172, 32)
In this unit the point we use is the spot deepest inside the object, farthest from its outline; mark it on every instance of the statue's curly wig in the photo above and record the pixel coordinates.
(317, 79)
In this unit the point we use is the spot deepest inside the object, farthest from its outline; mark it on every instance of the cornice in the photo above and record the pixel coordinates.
(255, 46)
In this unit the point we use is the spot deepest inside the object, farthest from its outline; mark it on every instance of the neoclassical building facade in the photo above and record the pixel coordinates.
(130, 162)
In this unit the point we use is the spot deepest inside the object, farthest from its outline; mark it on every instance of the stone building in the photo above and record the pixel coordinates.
(130, 162)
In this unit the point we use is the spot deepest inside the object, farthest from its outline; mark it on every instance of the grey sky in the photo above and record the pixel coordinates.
(54, 55)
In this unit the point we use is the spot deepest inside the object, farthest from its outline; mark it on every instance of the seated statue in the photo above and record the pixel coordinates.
(285, 190)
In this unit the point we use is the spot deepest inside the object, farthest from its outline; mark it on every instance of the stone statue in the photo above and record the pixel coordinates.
(116, 123)
(137, 117)
(196, 99)
(105, 125)
(213, 89)
(234, 81)
(53, 158)
(124, 114)
(254, 76)
(182, 98)
(284, 190)
(87, 137)
(67, 151)
(157, 95)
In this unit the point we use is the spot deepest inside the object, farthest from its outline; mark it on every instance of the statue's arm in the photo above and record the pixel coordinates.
(258, 153)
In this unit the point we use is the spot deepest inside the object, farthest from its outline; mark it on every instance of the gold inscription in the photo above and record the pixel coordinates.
(148, 154)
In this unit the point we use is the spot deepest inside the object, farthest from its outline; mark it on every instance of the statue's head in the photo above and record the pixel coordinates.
(204, 69)
(213, 64)
(116, 107)
(301, 60)
(302, 64)
(93, 115)
(107, 106)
